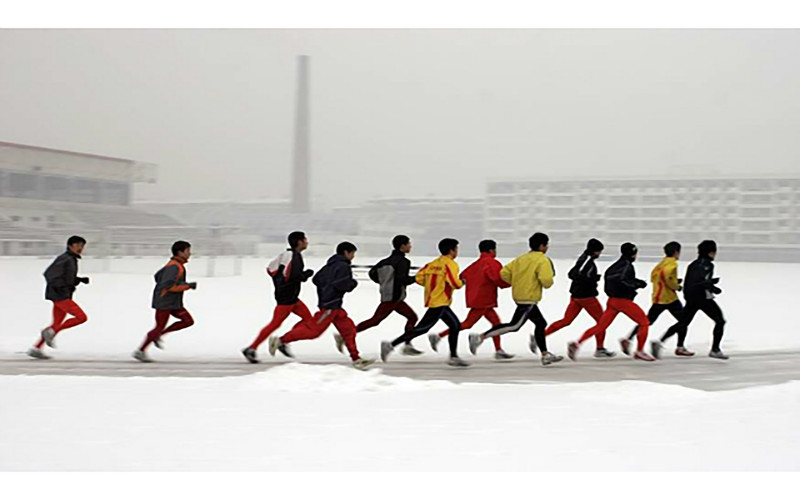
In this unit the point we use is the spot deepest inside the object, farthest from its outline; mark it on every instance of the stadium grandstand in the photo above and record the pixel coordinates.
(48, 194)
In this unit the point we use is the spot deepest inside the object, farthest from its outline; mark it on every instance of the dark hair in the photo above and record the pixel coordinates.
(487, 245)
(180, 246)
(447, 245)
(628, 250)
(75, 239)
(672, 248)
(706, 247)
(594, 245)
(295, 237)
(345, 246)
(400, 240)
(537, 240)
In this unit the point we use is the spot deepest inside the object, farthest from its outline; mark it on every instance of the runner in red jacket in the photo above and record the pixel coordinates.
(483, 279)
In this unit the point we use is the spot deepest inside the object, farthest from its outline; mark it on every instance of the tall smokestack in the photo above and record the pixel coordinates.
(300, 178)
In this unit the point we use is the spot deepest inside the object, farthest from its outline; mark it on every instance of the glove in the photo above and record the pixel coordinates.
(307, 274)
(715, 290)
(192, 285)
(715, 281)
(680, 288)
(85, 281)
(680, 280)
(641, 284)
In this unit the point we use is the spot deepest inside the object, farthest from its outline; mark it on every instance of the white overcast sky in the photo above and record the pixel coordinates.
(406, 112)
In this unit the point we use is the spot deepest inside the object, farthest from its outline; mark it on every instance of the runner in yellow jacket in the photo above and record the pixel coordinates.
(440, 279)
(528, 275)
(666, 286)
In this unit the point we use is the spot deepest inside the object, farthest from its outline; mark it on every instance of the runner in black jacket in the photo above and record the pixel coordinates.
(62, 280)
(583, 295)
(288, 273)
(699, 289)
(392, 274)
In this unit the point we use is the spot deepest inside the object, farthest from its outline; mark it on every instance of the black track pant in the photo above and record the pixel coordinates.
(431, 317)
(711, 309)
(675, 308)
(523, 313)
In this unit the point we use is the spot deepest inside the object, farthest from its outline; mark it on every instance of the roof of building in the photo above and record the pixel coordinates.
(666, 176)
(63, 151)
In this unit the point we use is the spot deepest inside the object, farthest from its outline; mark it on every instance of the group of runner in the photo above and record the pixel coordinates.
(527, 276)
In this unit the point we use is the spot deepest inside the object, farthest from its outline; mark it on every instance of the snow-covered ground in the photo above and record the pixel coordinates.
(304, 417)
(330, 417)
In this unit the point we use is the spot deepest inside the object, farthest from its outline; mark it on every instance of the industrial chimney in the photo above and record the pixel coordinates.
(300, 179)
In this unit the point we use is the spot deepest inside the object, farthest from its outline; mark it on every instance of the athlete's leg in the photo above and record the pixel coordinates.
(403, 309)
(630, 309)
(310, 328)
(681, 327)
(384, 309)
(713, 311)
(652, 315)
(573, 309)
(676, 310)
(595, 310)
(345, 326)
(58, 318)
(69, 306)
(473, 316)
(162, 316)
(427, 322)
(494, 320)
(536, 317)
(450, 319)
(601, 326)
(279, 315)
(517, 320)
(185, 320)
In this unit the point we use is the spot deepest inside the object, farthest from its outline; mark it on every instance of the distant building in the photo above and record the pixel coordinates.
(48, 194)
(752, 218)
(260, 222)
(424, 220)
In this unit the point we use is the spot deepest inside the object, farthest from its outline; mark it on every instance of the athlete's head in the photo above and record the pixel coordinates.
(75, 244)
(346, 250)
(707, 248)
(539, 242)
(594, 247)
(629, 251)
(298, 241)
(488, 246)
(449, 246)
(673, 249)
(182, 249)
(402, 243)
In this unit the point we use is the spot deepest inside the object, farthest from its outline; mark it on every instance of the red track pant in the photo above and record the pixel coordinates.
(278, 317)
(316, 326)
(473, 316)
(185, 320)
(60, 310)
(384, 310)
(629, 309)
(592, 306)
